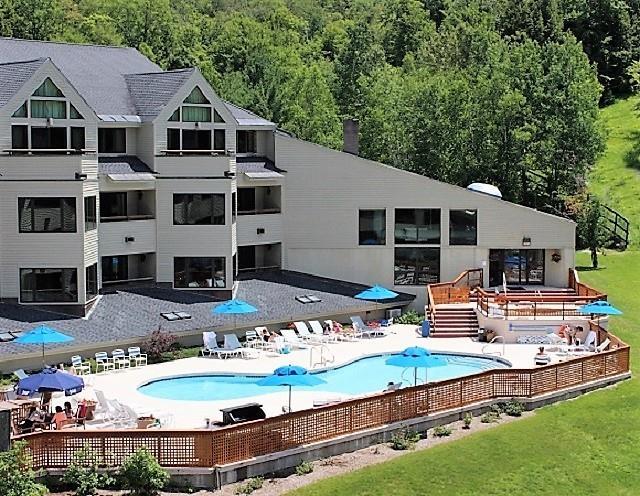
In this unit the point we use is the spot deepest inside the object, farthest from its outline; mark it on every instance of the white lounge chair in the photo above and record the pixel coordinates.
(293, 339)
(232, 343)
(318, 331)
(211, 347)
(79, 366)
(603, 346)
(20, 374)
(303, 331)
(362, 330)
(136, 357)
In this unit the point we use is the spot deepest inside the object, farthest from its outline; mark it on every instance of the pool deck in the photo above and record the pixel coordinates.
(123, 385)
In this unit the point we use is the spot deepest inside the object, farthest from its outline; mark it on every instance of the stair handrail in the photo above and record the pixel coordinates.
(323, 360)
(466, 281)
(494, 340)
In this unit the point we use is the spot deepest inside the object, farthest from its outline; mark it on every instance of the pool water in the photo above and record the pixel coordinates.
(367, 375)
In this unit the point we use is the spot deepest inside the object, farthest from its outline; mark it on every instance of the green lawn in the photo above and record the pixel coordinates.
(587, 446)
(616, 178)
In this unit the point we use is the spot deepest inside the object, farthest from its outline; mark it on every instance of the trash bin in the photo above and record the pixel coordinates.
(482, 336)
(426, 328)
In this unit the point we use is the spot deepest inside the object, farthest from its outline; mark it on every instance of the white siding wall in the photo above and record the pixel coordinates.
(325, 189)
(249, 224)
(113, 234)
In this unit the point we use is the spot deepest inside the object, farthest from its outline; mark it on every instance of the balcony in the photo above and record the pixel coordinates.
(47, 166)
(128, 269)
(259, 257)
(193, 163)
(260, 200)
(125, 206)
(133, 236)
(259, 229)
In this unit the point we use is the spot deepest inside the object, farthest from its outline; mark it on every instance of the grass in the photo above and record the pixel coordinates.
(588, 446)
(616, 177)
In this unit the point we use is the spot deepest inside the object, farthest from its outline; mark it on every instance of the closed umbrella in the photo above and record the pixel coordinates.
(43, 335)
(234, 307)
(416, 357)
(290, 375)
(376, 293)
(50, 380)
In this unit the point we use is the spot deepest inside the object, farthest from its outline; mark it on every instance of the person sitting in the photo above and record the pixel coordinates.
(541, 358)
(392, 386)
(60, 418)
(68, 411)
(34, 419)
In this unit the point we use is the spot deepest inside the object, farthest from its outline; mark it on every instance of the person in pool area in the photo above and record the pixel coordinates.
(68, 411)
(59, 418)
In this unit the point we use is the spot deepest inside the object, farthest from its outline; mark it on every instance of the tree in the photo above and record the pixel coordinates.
(590, 229)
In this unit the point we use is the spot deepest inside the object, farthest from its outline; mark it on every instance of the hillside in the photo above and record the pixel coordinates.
(616, 177)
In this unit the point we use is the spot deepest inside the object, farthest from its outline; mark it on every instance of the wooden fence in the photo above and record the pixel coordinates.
(207, 448)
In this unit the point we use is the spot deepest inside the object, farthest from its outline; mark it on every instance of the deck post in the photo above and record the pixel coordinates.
(5, 426)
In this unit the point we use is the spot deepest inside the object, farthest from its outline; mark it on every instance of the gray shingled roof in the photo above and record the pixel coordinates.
(152, 91)
(14, 74)
(245, 117)
(135, 312)
(127, 164)
(255, 164)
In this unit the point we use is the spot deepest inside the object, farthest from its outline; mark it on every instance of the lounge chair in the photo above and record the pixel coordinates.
(104, 362)
(293, 339)
(120, 360)
(303, 331)
(362, 330)
(211, 347)
(232, 343)
(79, 366)
(603, 346)
(318, 331)
(6, 337)
(252, 339)
(20, 374)
(136, 356)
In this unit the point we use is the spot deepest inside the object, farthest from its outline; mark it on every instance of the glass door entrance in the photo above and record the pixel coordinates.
(518, 266)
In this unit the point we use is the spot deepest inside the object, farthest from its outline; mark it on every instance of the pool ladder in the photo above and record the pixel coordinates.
(325, 356)
(494, 340)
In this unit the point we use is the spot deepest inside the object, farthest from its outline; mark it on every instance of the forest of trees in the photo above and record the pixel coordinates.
(460, 90)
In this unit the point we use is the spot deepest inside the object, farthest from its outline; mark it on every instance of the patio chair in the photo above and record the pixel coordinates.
(362, 330)
(303, 331)
(120, 360)
(603, 346)
(20, 374)
(252, 340)
(6, 337)
(136, 356)
(293, 339)
(318, 331)
(211, 347)
(589, 343)
(103, 362)
(79, 366)
(232, 344)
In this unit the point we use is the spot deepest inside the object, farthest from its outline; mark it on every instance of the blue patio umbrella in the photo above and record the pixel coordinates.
(290, 375)
(234, 307)
(600, 307)
(43, 335)
(416, 357)
(376, 293)
(50, 380)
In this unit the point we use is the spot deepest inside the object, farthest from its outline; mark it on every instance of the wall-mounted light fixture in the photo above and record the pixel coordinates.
(129, 239)
(556, 257)
(260, 230)
(80, 176)
(526, 241)
(229, 174)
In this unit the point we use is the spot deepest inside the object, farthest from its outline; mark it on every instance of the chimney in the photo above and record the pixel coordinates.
(351, 136)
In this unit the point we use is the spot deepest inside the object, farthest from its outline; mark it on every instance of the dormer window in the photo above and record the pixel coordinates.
(196, 108)
(48, 89)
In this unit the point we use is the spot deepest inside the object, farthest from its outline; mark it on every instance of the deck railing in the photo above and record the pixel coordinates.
(456, 291)
(208, 448)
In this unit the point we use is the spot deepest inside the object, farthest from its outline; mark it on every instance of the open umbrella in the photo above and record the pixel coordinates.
(416, 357)
(234, 307)
(290, 375)
(43, 335)
(50, 380)
(376, 293)
(600, 307)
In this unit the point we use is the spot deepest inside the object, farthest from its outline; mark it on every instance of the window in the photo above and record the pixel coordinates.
(246, 200)
(175, 117)
(417, 226)
(196, 139)
(39, 215)
(73, 113)
(217, 117)
(44, 109)
(196, 96)
(112, 140)
(372, 227)
(77, 138)
(199, 272)
(416, 266)
(463, 227)
(48, 89)
(173, 139)
(196, 114)
(22, 111)
(115, 268)
(234, 206)
(19, 137)
(91, 281)
(219, 140)
(49, 138)
(113, 206)
(198, 209)
(90, 220)
(48, 285)
(246, 142)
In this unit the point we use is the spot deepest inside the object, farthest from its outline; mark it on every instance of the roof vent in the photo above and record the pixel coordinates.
(485, 189)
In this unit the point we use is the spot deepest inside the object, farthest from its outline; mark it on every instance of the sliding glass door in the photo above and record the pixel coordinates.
(518, 267)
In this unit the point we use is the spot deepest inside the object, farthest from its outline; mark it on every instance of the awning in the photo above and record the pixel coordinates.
(263, 175)
(142, 176)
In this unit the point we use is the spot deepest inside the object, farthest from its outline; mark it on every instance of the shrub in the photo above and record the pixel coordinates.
(16, 476)
(467, 420)
(410, 317)
(158, 343)
(489, 417)
(304, 468)
(442, 431)
(251, 485)
(513, 408)
(82, 473)
(142, 474)
(404, 440)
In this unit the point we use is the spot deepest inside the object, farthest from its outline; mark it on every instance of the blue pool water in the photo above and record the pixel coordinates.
(367, 375)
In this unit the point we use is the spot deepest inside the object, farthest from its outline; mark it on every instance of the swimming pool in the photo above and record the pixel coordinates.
(366, 375)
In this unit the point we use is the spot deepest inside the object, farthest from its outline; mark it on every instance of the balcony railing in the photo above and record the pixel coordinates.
(259, 211)
(193, 152)
(47, 151)
(124, 218)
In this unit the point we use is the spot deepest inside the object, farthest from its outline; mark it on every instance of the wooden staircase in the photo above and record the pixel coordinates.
(454, 323)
